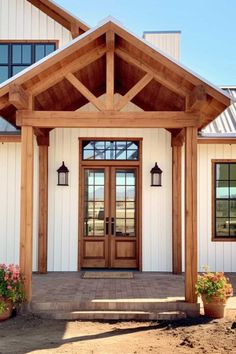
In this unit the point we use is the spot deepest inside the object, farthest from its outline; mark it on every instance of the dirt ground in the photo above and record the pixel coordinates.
(28, 334)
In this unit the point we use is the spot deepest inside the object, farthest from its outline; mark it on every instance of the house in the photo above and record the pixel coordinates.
(103, 107)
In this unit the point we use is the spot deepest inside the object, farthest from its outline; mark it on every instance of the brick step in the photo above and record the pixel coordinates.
(151, 305)
(112, 315)
(101, 305)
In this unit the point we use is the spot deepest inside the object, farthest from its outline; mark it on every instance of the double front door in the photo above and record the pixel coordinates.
(109, 217)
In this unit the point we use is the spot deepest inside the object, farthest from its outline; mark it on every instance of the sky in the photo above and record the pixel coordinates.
(208, 30)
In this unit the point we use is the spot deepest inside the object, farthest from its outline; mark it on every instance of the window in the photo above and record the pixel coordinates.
(110, 150)
(224, 200)
(15, 57)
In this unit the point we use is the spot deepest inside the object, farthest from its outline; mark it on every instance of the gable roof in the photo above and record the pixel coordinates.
(60, 15)
(133, 57)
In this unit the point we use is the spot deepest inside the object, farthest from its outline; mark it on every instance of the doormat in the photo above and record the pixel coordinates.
(107, 275)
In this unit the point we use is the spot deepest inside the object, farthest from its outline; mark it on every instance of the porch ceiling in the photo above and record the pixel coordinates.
(169, 87)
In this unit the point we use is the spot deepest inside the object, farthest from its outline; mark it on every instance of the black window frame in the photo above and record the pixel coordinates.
(10, 65)
(227, 162)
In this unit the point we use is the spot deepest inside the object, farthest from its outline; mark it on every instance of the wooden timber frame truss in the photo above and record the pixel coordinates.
(106, 61)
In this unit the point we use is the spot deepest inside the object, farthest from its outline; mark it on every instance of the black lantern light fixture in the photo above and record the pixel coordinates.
(156, 173)
(63, 175)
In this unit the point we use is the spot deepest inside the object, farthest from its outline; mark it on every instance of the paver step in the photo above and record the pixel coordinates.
(112, 315)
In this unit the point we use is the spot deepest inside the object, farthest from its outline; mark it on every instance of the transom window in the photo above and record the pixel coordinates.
(15, 57)
(224, 200)
(110, 150)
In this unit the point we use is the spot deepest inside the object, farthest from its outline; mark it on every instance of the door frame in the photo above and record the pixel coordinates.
(115, 163)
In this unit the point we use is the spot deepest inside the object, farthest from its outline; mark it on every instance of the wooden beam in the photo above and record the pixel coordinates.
(177, 137)
(157, 74)
(26, 212)
(43, 209)
(106, 119)
(18, 97)
(133, 91)
(176, 209)
(85, 91)
(10, 138)
(196, 100)
(110, 69)
(75, 30)
(190, 214)
(75, 65)
(4, 101)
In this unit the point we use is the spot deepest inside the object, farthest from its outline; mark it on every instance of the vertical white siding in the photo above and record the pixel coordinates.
(63, 201)
(19, 20)
(9, 205)
(10, 180)
(168, 42)
(220, 256)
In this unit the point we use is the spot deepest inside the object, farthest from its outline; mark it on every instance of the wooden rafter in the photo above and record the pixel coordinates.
(18, 97)
(110, 69)
(157, 75)
(106, 119)
(133, 91)
(84, 91)
(74, 66)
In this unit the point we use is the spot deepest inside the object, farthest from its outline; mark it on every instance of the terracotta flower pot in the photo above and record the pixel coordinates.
(8, 312)
(215, 308)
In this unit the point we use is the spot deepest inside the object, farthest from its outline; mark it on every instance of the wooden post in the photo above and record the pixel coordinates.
(190, 213)
(43, 204)
(26, 213)
(176, 209)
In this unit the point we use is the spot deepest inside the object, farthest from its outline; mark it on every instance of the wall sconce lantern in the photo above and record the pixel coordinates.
(62, 175)
(156, 173)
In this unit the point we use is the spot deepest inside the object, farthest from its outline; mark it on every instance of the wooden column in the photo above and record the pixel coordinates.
(176, 209)
(26, 213)
(190, 213)
(43, 143)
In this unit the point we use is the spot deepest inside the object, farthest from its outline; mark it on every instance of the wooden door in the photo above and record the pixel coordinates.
(109, 217)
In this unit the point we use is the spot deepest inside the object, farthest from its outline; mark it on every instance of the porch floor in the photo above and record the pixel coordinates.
(147, 291)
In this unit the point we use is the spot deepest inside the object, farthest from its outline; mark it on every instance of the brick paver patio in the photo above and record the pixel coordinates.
(146, 286)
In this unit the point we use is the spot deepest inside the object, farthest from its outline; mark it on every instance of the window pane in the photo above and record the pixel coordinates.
(232, 228)
(130, 223)
(120, 210)
(130, 178)
(99, 193)
(88, 155)
(99, 210)
(233, 189)
(132, 146)
(120, 193)
(132, 155)
(26, 54)
(222, 227)
(222, 189)
(89, 210)
(233, 208)
(121, 155)
(39, 51)
(222, 171)
(16, 54)
(3, 73)
(17, 69)
(99, 227)
(121, 145)
(88, 227)
(49, 48)
(4, 54)
(222, 208)
(233, 171)
(120, 178)
(120, 227)
(99, 178)
(130, 193)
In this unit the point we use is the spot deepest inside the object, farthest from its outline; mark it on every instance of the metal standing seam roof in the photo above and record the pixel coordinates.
(225, 124)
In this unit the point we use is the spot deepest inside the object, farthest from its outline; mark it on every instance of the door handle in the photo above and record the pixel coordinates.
(112, 226)
(107, 226)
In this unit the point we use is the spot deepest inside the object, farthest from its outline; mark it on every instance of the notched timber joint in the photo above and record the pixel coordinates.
(196, 99)
(18, 97)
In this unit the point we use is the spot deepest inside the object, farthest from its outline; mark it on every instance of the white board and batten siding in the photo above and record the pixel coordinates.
(19, 20)
(219, 256)
(63, 201)
(10, 183)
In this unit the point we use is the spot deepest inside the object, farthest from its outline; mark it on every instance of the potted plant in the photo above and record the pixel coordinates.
(11, 289)
(214, 289)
